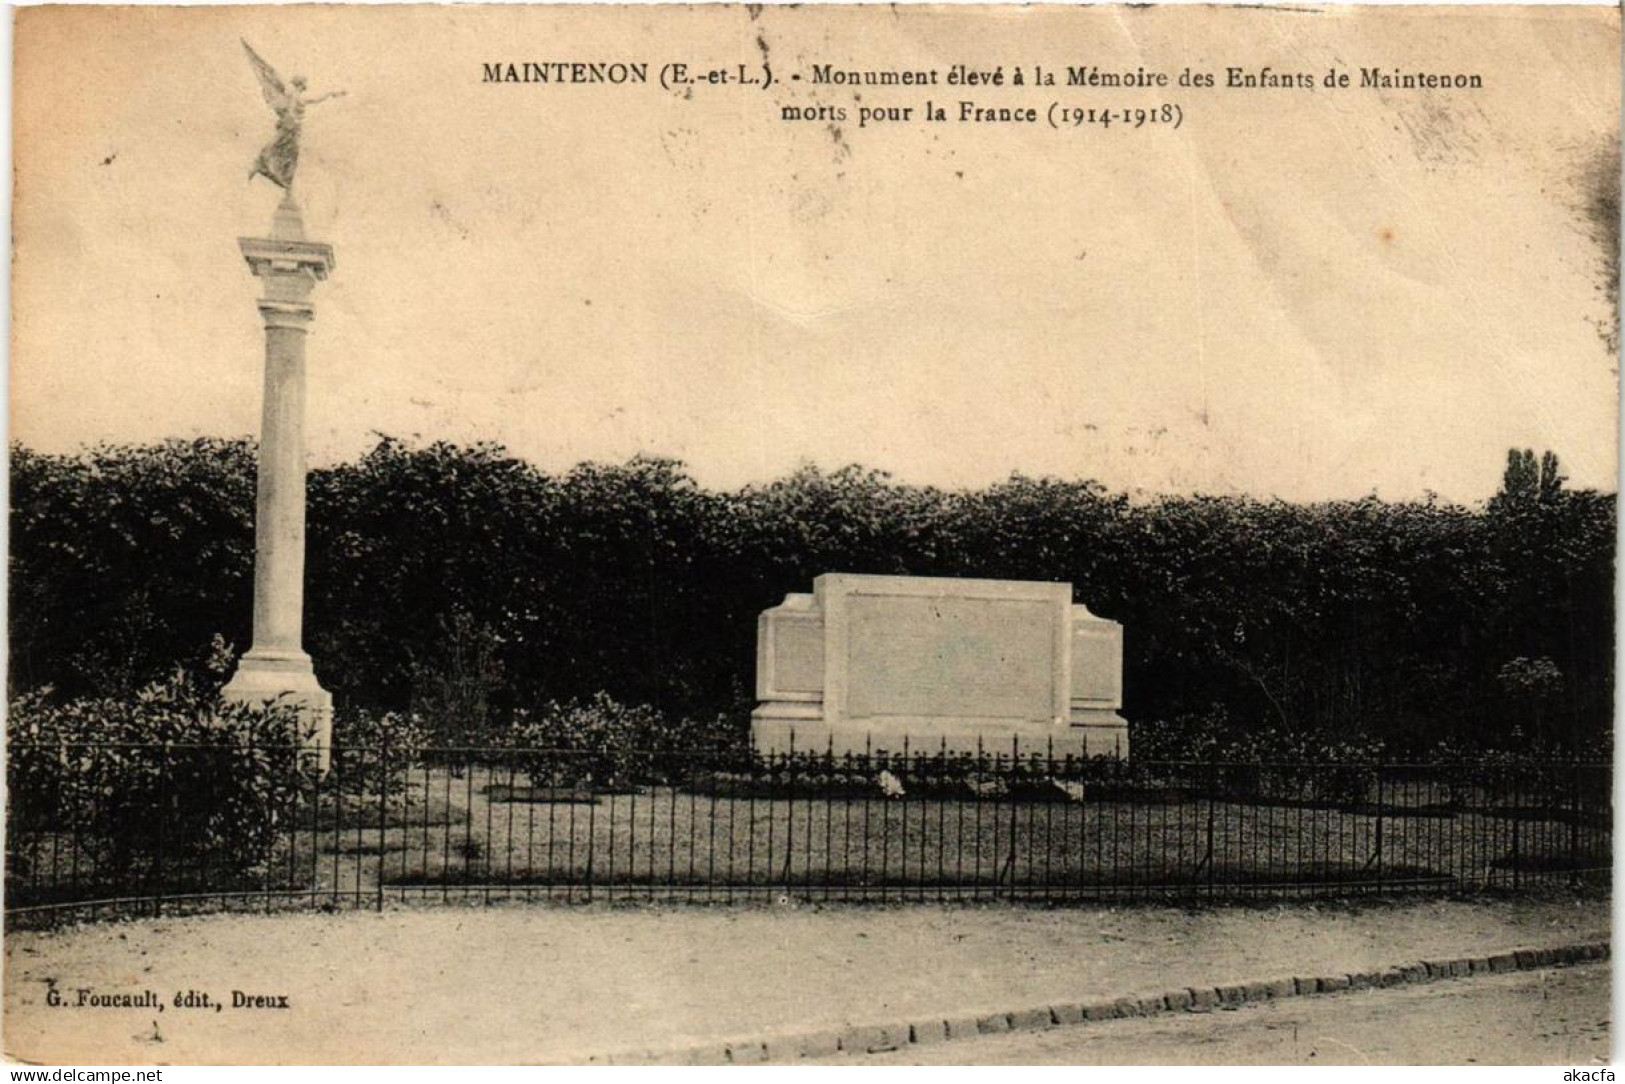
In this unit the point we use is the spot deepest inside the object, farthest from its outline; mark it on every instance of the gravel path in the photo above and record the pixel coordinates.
(538, 983)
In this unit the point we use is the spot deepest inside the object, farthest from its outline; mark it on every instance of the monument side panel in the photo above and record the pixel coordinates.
(790, 652)
(789, 676)
(1097, 663)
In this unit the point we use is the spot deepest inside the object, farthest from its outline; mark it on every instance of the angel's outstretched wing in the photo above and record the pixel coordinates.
(276, 95)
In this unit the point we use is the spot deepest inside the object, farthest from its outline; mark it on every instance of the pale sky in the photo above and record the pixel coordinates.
(1300, 294)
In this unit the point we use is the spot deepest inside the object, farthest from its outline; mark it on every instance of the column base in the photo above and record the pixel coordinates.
(266, 676)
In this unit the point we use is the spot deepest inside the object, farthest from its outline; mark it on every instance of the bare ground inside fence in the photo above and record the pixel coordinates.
(521, 984)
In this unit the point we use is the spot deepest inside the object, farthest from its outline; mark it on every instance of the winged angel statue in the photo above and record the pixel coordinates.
(280, 157)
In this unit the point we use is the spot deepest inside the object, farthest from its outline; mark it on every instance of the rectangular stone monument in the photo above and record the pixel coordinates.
(865, 661)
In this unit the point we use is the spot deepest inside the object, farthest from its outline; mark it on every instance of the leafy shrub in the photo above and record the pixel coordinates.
(154, 788)
(603, 742)
(374, 752)
(1262, 760)
(403, 732)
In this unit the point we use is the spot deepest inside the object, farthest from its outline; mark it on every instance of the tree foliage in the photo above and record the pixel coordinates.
(1526, 482)
(464, 585)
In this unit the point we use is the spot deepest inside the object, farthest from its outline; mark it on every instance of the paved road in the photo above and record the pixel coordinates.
(1559, 1016)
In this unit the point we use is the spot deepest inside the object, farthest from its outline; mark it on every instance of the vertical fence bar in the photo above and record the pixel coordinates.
(920, 791)
(910, 801)
(1517, 849)
(693, 816)
(158, 870)
(1123, 873)
(446, 828)
(901, 769)
(1580, 833)
(868, 834)
(1428, 808)
(360, 768)
(542, 772)
(1020, 803)
(1575, 791)
(941, 797)
(829, 815)
(1306, 793)
(885, 834)
(315, 831)
(1211, 858)
(335, 799)
(1380, 811)
(592, 835)
(470, 854)
(959, 837)
(484, 854)
(507, 758)
(570, 878)
(923, 785)
(850, 876)
(383, 821)
(1193, 776)
(1536, 814)
(711, 848)
(996, 805)
(809, 795)
(775, 764)
(1049, 817)
(751, 785)
(1078, 852)
(428, 800)
(733, 835)
(76, 844)
(1010, 800)
(1460, 811)
(1139, 798)
(609, 883)
(1540, 823)
(1503, 828)
(1468, 821)
(53, 824)
(295, 805)
(905, 803)
(666, 790)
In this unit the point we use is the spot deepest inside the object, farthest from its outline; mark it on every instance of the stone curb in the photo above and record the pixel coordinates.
(875, 1038)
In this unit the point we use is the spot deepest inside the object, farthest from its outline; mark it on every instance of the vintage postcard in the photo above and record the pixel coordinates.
(843, 535)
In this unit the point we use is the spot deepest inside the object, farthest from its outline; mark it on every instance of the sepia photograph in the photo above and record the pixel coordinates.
(958, 535)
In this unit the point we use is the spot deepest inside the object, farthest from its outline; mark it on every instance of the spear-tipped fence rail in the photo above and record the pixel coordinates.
(102, 829)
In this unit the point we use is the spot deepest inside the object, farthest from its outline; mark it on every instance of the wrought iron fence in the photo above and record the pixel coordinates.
(93, 829)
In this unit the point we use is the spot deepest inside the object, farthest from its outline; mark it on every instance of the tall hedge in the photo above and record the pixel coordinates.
(464, 578)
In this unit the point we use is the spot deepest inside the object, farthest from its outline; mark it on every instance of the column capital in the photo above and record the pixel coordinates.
(268, 257)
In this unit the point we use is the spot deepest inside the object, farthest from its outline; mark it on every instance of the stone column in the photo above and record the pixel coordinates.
(288, 267)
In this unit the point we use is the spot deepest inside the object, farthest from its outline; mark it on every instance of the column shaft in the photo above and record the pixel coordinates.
(275, 667)
(279, 523)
